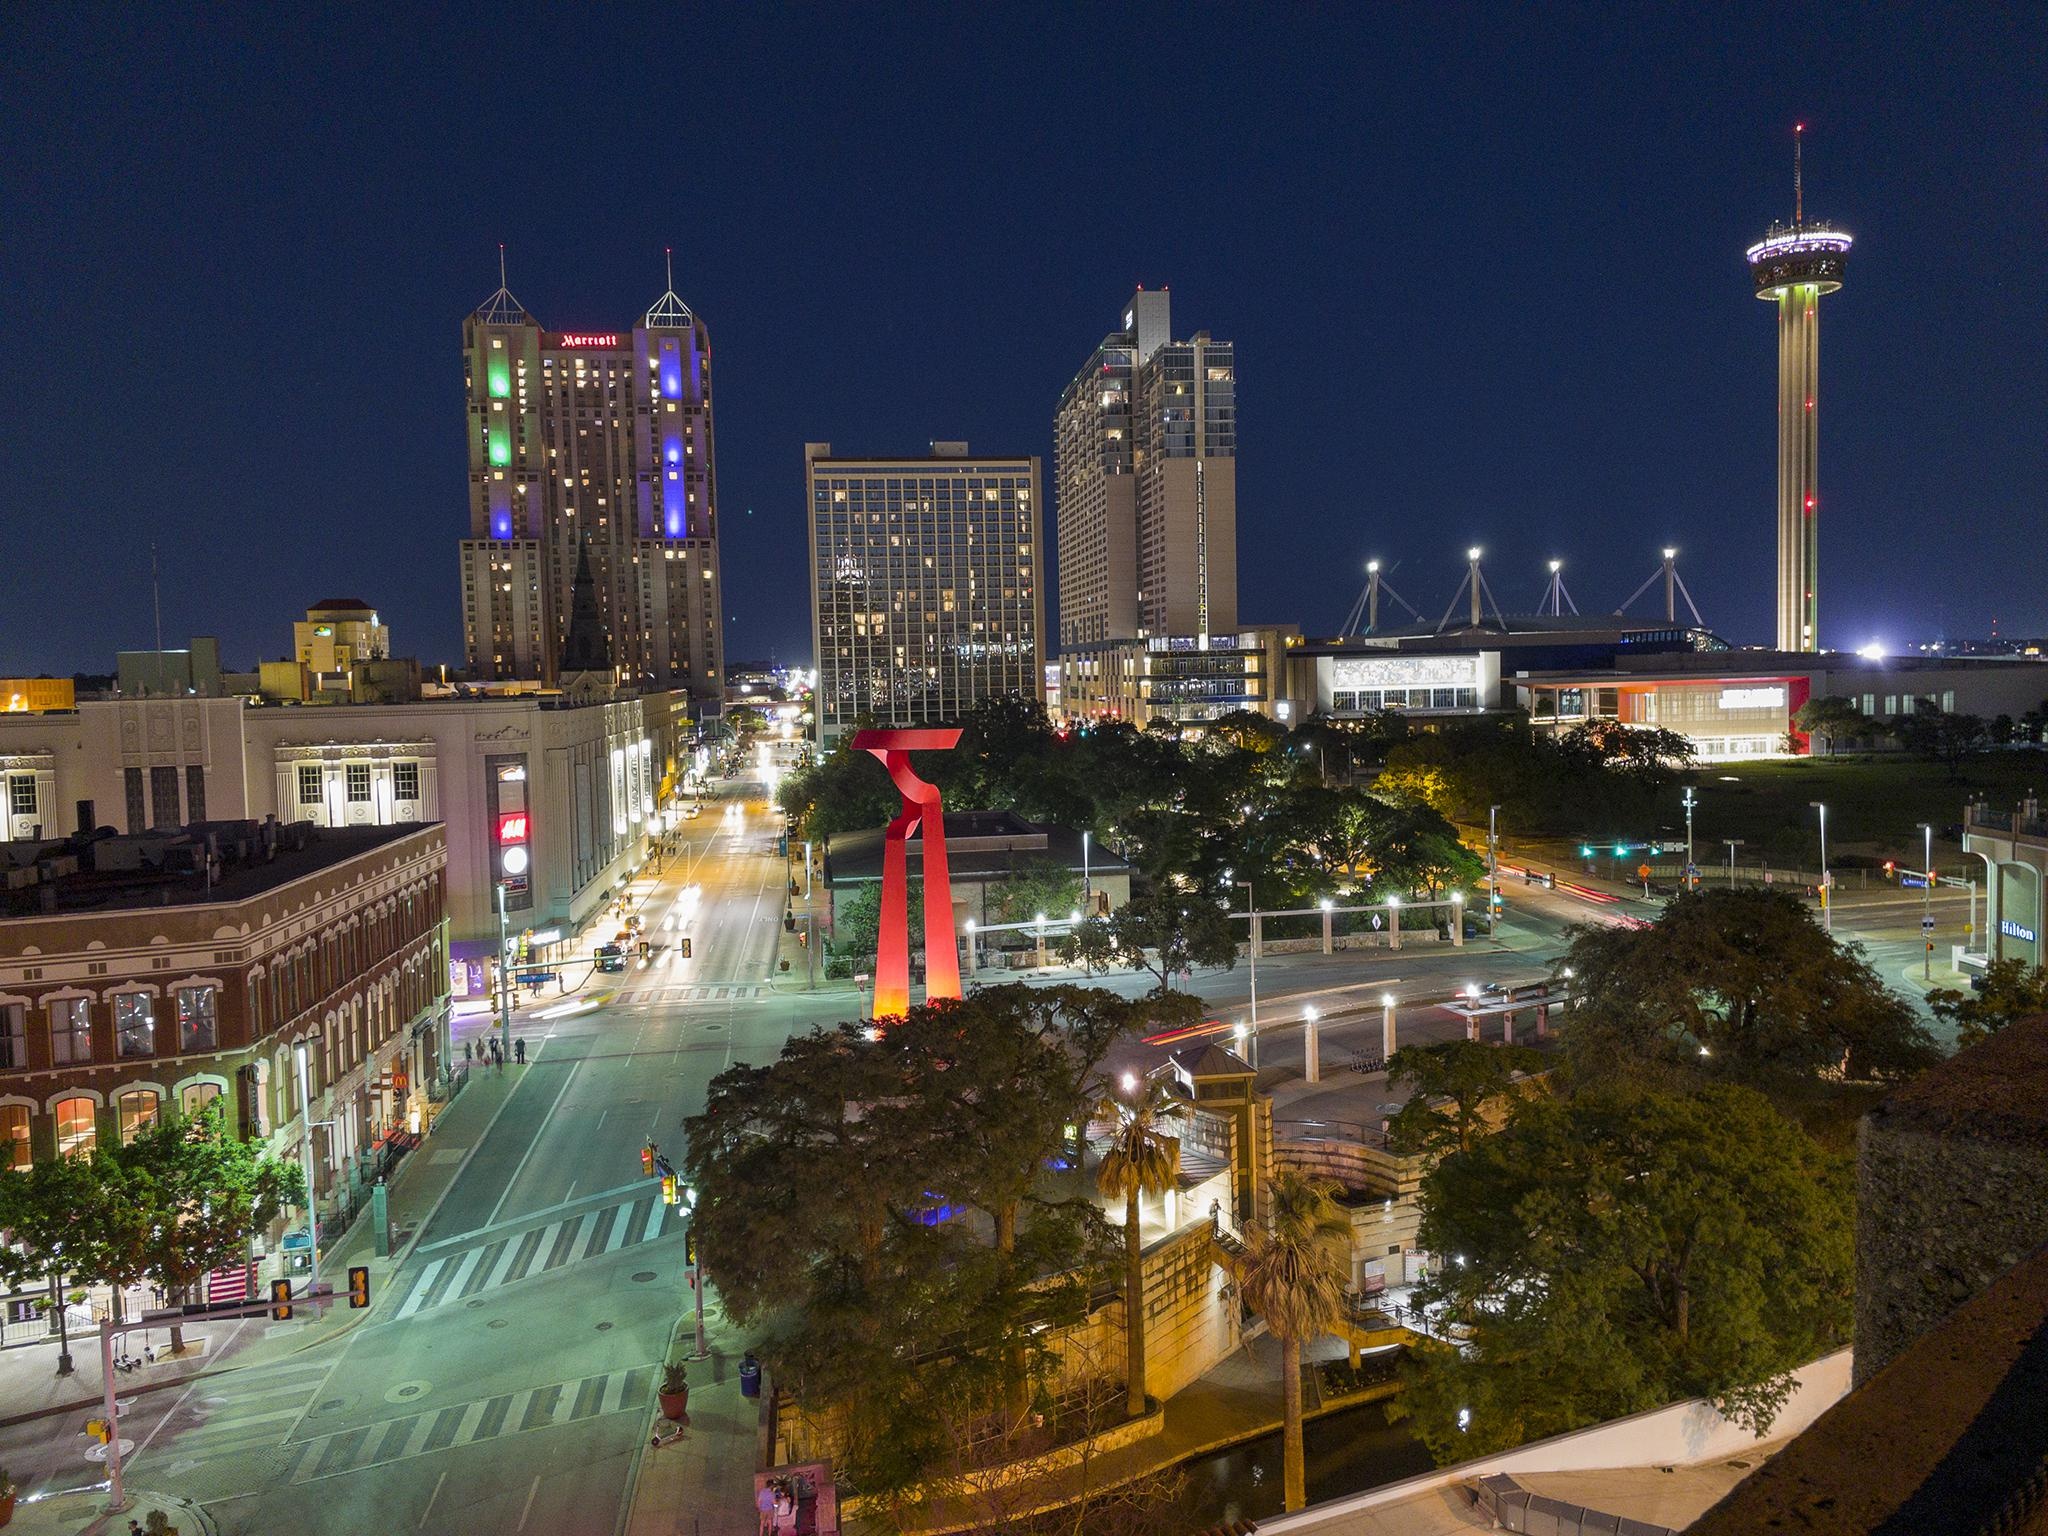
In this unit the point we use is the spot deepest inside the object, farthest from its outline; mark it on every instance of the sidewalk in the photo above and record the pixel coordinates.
(30, 1387)
(85, 1514)
(702, 1483)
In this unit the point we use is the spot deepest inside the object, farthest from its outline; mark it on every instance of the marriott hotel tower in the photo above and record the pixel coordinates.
(593, 519)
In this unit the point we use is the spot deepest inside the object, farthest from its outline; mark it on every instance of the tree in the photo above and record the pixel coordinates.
(1458, 1091)
(1294, 1275)
(211, 1191)
(1622, 1249)
(1735, 981)
(1140, 1160)
(1835, 719)
(844, 791)
(2011, 990)
(179, 1200)
(1038, 885)
(1164, 930)
(857, 931)
(1941, 737)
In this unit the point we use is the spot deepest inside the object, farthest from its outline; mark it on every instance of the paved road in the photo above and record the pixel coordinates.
(504, 1378)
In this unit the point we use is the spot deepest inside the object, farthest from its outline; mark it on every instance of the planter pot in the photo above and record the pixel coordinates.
(6, 1509)
(673, 1403)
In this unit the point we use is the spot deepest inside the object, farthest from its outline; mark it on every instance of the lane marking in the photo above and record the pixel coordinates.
(539, 1134)
(433, 1496)
(527, 1508)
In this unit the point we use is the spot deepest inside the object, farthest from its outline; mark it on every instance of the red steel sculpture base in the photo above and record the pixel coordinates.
(920, 807)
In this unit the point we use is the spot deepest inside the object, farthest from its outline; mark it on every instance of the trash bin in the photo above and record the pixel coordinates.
(750, 1377)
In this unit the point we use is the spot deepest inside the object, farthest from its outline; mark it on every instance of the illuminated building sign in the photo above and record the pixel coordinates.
(2013, 930)
(509, 815)
(512, 827)
(1752, 698)
(587, 339)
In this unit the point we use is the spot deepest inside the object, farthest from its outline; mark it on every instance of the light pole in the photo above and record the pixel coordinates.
(1087, 887)
(1827, 907)
(504, 978)
(1689, 803)
(1733, 844)
(1251, 906)
(1927, 909)
(306, 1164)
(1492, 866)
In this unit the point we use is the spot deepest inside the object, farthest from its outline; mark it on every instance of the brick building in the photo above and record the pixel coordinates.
(163, 971)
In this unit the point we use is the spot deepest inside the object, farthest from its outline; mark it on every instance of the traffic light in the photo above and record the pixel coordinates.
(647, 1158)
(359, 1285)
(690, 1244)
(100, 1430)
(686, 948)
(281, 1300)
(668, 1189)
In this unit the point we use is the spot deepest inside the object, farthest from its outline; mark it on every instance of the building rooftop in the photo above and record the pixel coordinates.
(106, 872)
(336, 604)
(1995, 1091)
(980, 845)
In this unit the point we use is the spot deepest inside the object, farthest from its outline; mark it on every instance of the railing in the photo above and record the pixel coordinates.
(2020, 823)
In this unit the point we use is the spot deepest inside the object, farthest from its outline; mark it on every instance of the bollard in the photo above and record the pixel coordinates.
(1386, 1026)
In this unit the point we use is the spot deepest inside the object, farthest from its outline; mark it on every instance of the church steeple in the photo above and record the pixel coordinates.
(587, 646)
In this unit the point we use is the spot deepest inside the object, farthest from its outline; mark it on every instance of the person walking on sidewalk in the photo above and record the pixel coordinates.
(519, 1050)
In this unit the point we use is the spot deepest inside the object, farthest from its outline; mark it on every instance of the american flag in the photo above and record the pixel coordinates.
(229, 1284)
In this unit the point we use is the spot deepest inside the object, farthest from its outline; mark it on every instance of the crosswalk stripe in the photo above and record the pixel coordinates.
(462, 1273)
(482, 1278)
(564, 1243)
(600, 1227)
(419, 1291)
(622, 1229)
(528, 1246)
(503, 1266)
(654, 1215)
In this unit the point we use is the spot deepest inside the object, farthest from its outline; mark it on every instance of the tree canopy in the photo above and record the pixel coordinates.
(1624, 1248)
(179, 1200)
(1735, 981)
(887, 1219)
(2011, 990)
(1459, 1091)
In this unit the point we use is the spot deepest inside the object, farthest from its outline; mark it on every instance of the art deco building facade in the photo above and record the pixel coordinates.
(1146, 465)
(593, 499)
(925, 591)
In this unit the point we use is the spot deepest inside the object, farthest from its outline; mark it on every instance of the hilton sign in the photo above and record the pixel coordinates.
(587, 339)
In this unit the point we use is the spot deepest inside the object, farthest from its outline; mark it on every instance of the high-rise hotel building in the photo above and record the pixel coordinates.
(592, 500)
(1145, 456)
(925, 584)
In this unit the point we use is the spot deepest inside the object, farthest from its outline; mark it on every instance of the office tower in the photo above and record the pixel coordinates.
(924, 584)
(1146, 461)
(1793, 267)
(593, 496)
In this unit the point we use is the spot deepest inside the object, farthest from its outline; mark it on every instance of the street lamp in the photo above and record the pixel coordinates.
(1827, 907)
(1251, 907)
(1492, 863)
(1927, 909)
(1087, 886)
(1689, 803)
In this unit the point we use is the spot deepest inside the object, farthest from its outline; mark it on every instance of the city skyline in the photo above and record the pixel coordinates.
(1492, 416)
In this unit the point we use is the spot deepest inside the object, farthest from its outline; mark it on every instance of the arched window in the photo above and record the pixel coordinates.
(14, 1136)
(136, 1110)
(196, 1096)
(77, 1129)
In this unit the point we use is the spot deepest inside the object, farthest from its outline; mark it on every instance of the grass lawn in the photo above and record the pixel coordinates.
(1875, 804)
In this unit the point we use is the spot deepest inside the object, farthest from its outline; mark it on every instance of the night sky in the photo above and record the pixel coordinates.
(1483, 266)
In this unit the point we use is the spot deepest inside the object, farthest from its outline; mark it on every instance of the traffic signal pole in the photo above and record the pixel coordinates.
(504, 979)
(116, 1499)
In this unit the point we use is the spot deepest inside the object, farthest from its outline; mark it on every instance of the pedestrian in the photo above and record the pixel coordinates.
(519, 1050)
(467, 1054)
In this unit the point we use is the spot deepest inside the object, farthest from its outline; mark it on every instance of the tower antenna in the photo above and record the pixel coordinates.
(669, 255)
(501, 263)
(156, 595)
(1798, 178)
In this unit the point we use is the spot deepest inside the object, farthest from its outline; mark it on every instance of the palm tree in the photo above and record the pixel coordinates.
(1294, 1276)
(1140, 1161)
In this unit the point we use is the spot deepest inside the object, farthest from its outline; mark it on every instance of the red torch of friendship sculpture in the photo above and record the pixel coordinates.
(892, 750)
